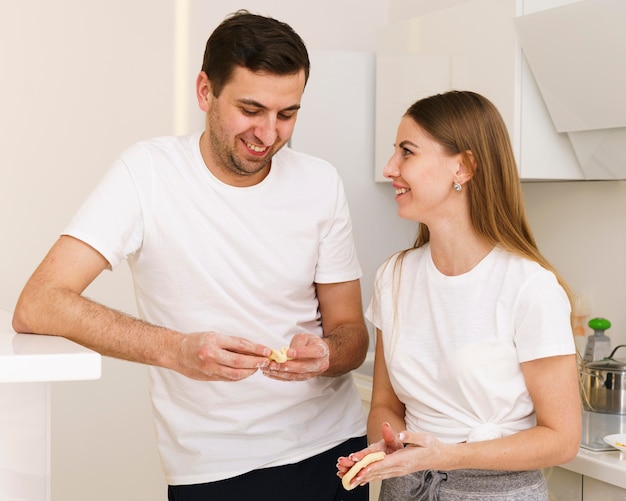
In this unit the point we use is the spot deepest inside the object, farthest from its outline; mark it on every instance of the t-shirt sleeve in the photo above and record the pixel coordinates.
(110, 220)
(542, 319)
(382, 292)
(337, 259)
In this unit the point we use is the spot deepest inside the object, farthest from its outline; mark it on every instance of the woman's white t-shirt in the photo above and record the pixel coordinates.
(453, 344)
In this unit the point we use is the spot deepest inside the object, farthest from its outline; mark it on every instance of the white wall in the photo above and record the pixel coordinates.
(81, 80)
(580, 227)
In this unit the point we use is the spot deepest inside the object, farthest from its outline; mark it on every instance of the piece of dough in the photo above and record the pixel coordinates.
(280, 356)
(357, 467)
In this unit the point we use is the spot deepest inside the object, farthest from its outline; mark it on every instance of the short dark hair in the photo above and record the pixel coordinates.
(255, 42)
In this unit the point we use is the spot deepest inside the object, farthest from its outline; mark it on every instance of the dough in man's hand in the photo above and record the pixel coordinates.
(358, 466)
(280, 356)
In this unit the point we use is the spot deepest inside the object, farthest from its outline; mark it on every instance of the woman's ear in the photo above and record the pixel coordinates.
(467, 167)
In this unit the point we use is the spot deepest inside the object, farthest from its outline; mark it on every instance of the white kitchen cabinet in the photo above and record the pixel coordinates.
(542, 152)
(564, 485)
(472, 45)
(364, 385)
(595, 490)
(581, 82)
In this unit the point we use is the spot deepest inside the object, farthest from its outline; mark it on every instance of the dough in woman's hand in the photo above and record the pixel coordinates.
(357, 467)
(280, 356)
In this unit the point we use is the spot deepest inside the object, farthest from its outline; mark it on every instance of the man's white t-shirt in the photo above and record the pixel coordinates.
(453, 344)
(206, 256)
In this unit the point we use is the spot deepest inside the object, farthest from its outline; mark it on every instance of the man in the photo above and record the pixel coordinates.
(237, 246)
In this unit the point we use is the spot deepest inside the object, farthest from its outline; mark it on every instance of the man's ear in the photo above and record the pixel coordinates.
(203, 91)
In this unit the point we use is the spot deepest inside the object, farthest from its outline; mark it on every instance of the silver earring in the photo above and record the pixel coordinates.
(457, 186)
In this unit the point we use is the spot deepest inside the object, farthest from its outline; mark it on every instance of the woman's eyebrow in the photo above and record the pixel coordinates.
(405, 143)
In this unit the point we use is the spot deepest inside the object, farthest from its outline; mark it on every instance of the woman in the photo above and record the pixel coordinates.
(475, 379)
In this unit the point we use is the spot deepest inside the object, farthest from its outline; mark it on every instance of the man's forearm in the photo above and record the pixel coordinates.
(102, 329)
(348, 345)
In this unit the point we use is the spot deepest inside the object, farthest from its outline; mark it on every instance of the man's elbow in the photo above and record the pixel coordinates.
(19, 321)
(24, 314)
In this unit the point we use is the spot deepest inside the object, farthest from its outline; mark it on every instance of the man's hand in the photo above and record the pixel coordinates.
(209, 356)
(309, 357)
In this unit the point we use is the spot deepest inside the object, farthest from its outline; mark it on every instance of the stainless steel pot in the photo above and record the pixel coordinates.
(604, 384)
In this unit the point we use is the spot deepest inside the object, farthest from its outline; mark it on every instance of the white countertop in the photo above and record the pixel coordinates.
(34, 358)
(608, 466)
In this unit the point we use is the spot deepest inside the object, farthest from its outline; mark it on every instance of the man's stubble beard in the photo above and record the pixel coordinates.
(225, 157)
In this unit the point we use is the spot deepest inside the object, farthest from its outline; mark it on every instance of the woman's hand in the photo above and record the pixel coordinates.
(407, 452)
(389, 444)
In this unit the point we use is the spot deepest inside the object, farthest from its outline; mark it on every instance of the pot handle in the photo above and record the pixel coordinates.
(586, 372)
(615, 349)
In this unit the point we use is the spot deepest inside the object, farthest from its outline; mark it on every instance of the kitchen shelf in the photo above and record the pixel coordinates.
(37, 358)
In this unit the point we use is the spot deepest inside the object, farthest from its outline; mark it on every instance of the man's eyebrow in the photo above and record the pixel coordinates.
(256, 104)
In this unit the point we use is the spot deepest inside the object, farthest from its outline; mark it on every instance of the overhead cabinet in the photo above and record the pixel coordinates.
(576, 54)
(481, 45)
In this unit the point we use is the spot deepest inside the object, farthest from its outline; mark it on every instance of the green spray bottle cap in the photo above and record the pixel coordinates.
(599, 325)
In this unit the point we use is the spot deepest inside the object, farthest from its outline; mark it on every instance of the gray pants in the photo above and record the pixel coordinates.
(466, 485)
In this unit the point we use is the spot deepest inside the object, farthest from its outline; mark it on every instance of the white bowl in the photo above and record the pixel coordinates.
(618, 441)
